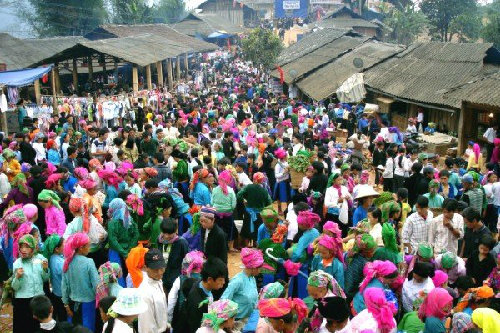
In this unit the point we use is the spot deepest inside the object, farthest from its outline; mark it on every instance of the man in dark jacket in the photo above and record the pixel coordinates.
(411, 183)
(228, 146)
(213, 238)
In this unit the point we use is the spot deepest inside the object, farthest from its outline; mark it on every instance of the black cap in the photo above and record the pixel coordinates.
(154, 259)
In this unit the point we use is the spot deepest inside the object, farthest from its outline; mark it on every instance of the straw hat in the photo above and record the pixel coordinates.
(366, 191)
(129, 303)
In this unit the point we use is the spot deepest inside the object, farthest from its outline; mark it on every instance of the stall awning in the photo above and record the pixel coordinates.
(220, 35)
(23, 77)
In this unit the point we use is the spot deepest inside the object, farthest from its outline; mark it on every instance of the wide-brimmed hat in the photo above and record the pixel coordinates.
(366, 191)
(129, 303)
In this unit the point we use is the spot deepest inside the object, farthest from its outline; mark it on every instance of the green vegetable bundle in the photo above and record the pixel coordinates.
(299, 163)
(382, 199)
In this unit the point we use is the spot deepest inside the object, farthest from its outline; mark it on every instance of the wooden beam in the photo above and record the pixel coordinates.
(186, 65)
(178, 68)
(159, 70)
(75, 75)
(54, 91)
(58, 78)
(170, 75)
(105, 76)
(38, 95)
(91, 68)
(135, 79)
(148, 77)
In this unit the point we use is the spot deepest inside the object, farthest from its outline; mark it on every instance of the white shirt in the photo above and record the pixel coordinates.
(332, 196)
(490, 134)
(420, 117)
(171, 133)
(243, 179)
(172, 299)
(346, 329)
(119, 327)
(154, 320)
(365, 321)
(411, 290)
(389, 169)
(293, 226)
(4, 185)
(401, 170)
(41, 152)
(442, 238)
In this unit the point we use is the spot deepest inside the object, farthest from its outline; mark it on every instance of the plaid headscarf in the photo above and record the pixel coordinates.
(321, 279)
(118, 210)
(363, 242)
(271, 290)
(218, 312)
(28, 240)
(21, 183)
(108, 273)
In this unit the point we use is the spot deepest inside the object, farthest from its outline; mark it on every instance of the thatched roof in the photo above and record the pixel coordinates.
(205, 24)
(483, 91)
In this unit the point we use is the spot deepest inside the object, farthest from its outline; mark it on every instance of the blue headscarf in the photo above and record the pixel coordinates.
(118, 210)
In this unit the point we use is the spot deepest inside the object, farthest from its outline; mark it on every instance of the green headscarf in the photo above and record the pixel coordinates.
(50, 245)
(389, 237)
(421, 157)
(218, 312)
(475, 176)
(433, 184)
(448, 260)
(344, 167)
(332, 178)
(322, 279)
(28, 240)
(425, 250)
(364, 242)
(8, 153)
(389, 208)
(269, 214)
(272, 290)
(21, 183)
(383, 198)
(50, 196)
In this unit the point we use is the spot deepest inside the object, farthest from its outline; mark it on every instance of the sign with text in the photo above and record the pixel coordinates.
(290, 8)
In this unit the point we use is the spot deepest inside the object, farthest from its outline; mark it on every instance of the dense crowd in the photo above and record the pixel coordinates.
(126, 225)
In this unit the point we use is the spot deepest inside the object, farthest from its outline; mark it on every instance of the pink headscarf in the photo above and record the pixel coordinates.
(477, 151)
(333, 244)
(51, 182)
(252, 258)
(111, 177)
(280, 153)
(193, 261)
(376, 269)
(23, 229)
(224, 179)
(440, 278)
(30, 211)
(136, 203)
(308, 219)
(258, 177)
(382, 310)
(50, 169)
(365, 175)
(95, 164)
(87, 183)
(333, 228)
(291, 267)
(434, 304)
(73, 243)
(81, 173)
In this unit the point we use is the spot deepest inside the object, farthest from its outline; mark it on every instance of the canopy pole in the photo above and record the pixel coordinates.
(91, 69)
(135, 79)
(178, 68)
(159, 69)
(186, 65)
(58, 79)
(54, 91)
(170, 75)
(75, 75)
(38, 96)
(148, 77)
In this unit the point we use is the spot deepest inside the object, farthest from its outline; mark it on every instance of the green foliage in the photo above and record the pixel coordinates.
(50, 18)
(299, 163)
(171, 10)
(131, 12)
(441, 14)
(466, 26)
(491, 31)
(382, 199)
(262, 47)
(406, 24)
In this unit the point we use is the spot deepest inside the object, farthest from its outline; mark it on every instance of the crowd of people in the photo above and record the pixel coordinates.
(128, 228)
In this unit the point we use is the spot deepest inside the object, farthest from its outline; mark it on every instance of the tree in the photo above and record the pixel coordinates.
(50, 18)
(170, 11)
(405, 24)
(466, 26)
(131, 12)
(491, 31)
(441, 14)
(262, 47)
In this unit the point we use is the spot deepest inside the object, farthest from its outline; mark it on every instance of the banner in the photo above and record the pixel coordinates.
(275, 86)
(290, 8)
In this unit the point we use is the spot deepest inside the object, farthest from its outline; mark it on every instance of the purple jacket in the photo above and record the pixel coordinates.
(18, 197)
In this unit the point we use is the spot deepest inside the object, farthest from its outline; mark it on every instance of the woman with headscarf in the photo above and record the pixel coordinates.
(242, 288)
(54, 215)
(10, 165)
(135, 263)
(330, 258)
(13, 223)
(224, 201)
(53, 251)
(129, 147)
(284, 315)
(461, 322)
(30, 271)
(110, 181)
(378, 274)
(378, 315)
(201, 187)
(488, 320)
(452, 265)
(435, 199)
(109, 272)
(435, 308)
(53, 152)
(219, 318)
(180, 174)
(476, 161)
(418, 282)
(336, 195)
(475, 298)
(80, 279)
(390, 249)
(20, 192)
(282, 189)
(362, 251)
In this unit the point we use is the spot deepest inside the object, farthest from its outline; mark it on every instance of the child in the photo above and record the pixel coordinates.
(52, 250)
(131, 183)
(104, 305)
(282, 189)
(306, 179)
(43, 311)
(53, 152)
(243, 178)
(481, 262)
(79, 281)
(41, 152)
(330, 258)
(127, 307)
(220, 317)
(54, 215)
(31, 270)
(109, 273)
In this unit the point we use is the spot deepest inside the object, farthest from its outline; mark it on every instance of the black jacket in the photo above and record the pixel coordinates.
(194, 310)
(177, 253)
(216, 245)
(411, 184)
(318, 183)
(228, 149)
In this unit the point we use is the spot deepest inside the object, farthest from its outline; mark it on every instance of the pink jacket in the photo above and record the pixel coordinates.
(55, 221)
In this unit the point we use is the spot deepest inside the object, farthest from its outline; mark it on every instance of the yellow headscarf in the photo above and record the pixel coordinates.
(487, 319)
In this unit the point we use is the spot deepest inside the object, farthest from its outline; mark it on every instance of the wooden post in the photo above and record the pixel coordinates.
(178, 68)
(54, 91)
(462, 131)
(186, 65)
(38, 96)
(5, 128)
(58, 79)
(91, 69)
(105, 76)
(75, 75)
(135, 79)
(170, 75)
(159, 69)
(148, 77)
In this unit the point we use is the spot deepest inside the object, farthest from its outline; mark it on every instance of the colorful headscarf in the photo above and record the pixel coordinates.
(50, 196)
(258, 177)
(333, 228)
(80, 206)
(73, 243)
(108, 273)
(21, 183)
(486, 319)
(208, 212)
(308, 219)
(118, 210)
(8, 153)
(389, 237)
(12, 217)
(448, 260)
(269, 214)
(95, 164)
(278, 307)
(81, 173)
(151, 172)
(425, 250)
(363, 242)
(30, 211)
(218, 312)
(440, 278)
(134, 262)
(197, 176)
(435, 304)
(25, 167)
(321, 279)
(280, 153)
(192, 262)
(433, 184)
(271, 290)
(382, 311)
(376, 269)
(225, 178)
(388, 209)
(50, 245)
(461, 322)
(28, 240)
(333, 244)
(53, 179)
(87, 183)
(23, 229)
(136, 204)
(332, 178)
(110, 177)
(252, 258)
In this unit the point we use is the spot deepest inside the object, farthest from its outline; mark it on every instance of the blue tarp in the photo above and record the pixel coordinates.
(22, 77)
(219, 35)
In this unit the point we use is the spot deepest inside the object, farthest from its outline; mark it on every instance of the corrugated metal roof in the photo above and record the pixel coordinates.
(484, 91)
(294, 70)
(205, 24)
(344, 23)
(324, 81)
(311, 42)
(426, 71)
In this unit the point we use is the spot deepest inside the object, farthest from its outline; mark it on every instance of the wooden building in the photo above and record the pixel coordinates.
(345, 18)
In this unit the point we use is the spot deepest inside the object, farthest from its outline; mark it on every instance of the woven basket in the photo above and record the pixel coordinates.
(296, 178)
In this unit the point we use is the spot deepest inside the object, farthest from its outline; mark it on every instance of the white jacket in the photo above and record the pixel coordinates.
(332, 196)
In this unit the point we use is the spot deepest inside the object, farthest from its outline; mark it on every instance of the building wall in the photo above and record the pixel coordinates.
(440, 117)
(225, 9)
(369, 32)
